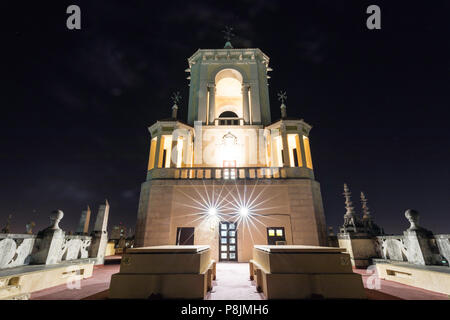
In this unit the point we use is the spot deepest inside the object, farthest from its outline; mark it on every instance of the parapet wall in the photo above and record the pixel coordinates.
(18, 249)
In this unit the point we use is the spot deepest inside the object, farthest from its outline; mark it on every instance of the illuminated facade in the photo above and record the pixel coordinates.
(229, 177)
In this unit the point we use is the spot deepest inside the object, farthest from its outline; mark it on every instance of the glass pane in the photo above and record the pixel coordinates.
(223, 255)
(232, 248)
(279, 232)
(223, 226)
(223, 240)
(231, 225)
(232, 240)
(232, 233)
(271, 232)
(232, 256)
(223, 248)
(223, 233)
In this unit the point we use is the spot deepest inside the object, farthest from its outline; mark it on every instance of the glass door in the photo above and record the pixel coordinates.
(227, 241)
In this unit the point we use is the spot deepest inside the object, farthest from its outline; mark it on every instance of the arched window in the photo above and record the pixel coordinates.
(228, 118)
(228, 96)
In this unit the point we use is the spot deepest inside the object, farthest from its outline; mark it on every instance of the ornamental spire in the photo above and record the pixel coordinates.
(282, 96)
(365, 208)
(176, 98)
(349, 217)
(228, 35)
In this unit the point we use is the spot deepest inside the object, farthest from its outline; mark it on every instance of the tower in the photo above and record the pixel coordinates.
(230, 177)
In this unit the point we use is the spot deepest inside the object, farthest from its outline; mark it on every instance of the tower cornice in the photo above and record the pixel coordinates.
(243, 55)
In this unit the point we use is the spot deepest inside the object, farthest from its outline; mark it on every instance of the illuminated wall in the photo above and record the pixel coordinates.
(307, 152)
(151, 161)
(295, 158)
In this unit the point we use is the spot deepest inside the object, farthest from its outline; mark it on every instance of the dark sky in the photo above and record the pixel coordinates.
(76, 104)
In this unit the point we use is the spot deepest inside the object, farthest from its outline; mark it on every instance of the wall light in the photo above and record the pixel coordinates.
(212, 211)
(243, 211)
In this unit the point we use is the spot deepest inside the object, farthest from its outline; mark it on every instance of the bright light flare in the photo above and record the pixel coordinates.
(243, 211)
(212, 211)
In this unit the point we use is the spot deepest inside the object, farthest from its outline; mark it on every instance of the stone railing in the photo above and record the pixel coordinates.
(15, 249)
(391, 248)
(417, 245)
(52, 245)
(217, 173)
(75, 247)
(443, 243)
(18, 249)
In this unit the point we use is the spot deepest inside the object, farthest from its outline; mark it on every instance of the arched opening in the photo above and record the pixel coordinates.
(228, 96)
(228, 118)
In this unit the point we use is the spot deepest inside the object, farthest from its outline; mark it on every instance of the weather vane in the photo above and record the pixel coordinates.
(228, 33)
(282, 96)
(176, 97)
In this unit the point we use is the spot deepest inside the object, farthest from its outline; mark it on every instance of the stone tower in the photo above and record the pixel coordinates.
(230, 177)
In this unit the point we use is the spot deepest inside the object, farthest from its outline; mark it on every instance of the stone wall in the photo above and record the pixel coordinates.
(294, 204)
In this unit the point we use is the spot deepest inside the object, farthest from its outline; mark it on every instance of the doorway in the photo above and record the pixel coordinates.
(227, 241)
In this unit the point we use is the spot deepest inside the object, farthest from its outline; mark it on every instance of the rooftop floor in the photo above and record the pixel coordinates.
(232, 284)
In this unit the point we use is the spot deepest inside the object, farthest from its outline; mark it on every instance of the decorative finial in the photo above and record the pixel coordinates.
(282, 96)
(413, 218)
(176, 98)
(55, 218)
(228, 35)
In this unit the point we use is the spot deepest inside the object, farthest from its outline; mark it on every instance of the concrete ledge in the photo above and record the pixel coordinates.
(301, 272)
(433, 278)
(171, 272)
(19, 282)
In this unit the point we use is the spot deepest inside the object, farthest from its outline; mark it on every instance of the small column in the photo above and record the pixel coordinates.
(302, 149)
(283, 111)
(83, 226)
(174, 152)
(100, 234)
(157, 151)
(245, 103)
(174, 111)
(212, 103)
(286, 162)
(49, 241)
(418, 241)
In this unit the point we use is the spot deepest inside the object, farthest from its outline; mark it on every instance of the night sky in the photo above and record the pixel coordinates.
(76, 104)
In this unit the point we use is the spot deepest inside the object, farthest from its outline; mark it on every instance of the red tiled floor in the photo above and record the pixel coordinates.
(97, 283)
(389, 290)
(232, 283)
